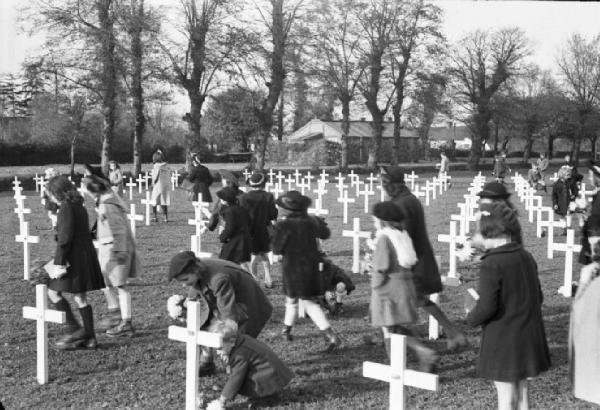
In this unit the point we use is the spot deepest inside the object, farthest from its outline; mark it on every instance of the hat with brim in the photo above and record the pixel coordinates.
(294, 201)
(388, 211)
(97, 171)
(256, 180)
(393, 173)
(228, 194)
(229, 177)
(594, 167)
(180, 262)
(494, 190)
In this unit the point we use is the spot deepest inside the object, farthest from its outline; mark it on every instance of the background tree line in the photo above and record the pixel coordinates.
(252, 70)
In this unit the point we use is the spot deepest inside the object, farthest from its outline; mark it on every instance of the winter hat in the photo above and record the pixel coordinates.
(256, 180)
(228, 194)
(494, 190)
(97, 171)
(294, 201)
(393, 173)
(387, 211)
(180, 262)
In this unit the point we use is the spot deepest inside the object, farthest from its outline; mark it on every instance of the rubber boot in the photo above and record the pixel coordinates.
(71, 324)
(333, 340)
(88, 323)
(165, 212)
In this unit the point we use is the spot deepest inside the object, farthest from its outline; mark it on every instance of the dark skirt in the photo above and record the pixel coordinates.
(261, 242)
(84, 274)
(237, 250)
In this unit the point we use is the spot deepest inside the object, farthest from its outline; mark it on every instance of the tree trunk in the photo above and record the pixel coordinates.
(108, 79)
(345, 131)
(375, 145)
(528, 147)
(593, 140)
(496, 132)
(550, 146)
(576, 149)
(481, 135)
(137, 52)
(72, 156)
(396, 136)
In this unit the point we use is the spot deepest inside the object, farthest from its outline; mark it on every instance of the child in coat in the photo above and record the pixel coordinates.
(256, 371)
(235, 236)
(513, 344)
(393, 294)
(337, 285)
(561, 195)
(500, 167)
(161, 185)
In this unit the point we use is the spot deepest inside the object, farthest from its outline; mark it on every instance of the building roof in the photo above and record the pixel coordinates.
(332, 131)
(445, 133)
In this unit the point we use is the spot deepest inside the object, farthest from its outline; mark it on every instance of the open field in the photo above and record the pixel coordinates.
(147, 371)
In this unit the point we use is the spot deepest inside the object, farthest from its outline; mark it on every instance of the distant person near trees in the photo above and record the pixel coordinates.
(115, 177)
(161, 185)
(500, 167)
(542, 164)
(201, 179)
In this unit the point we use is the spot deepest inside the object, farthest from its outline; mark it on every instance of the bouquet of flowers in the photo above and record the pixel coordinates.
(177, 307)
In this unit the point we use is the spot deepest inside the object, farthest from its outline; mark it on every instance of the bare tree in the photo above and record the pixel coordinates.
(482, 62)
(579, 63)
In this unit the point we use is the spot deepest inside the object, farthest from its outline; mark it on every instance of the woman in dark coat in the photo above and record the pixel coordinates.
(77, 270)
(426, 273)
(201, 178)
(295, 238)
(561, 195)
(236, 232)
(513, 344)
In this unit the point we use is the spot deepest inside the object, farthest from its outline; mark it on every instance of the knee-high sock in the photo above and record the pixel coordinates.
(291, 311)
(267, 267)
(111, 298)
(316, 314)
(125, 303)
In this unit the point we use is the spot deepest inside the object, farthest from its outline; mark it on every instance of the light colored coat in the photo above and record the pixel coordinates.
(114, 235)
(161, 184)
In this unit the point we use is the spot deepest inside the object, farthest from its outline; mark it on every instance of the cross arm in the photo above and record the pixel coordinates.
(203, 338)
(53, 316)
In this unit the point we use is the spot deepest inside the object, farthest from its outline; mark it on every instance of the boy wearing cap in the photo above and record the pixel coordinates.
(229, 291)
(262, 212)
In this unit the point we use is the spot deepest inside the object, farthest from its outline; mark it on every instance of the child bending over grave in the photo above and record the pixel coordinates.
(295, 238)
(256, 371)
(337, 285)
(116, 254)
(393, 295)
(513, 344)
(262, 210)
(235, 237)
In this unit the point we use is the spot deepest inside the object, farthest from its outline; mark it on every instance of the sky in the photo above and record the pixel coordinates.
(548, 24)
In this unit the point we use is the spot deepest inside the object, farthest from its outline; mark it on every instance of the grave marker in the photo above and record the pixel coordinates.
(131, 184)
(132, 216)
(345, 201)
(356, 234)
(148, 202)
(25, 239)
(568, 248)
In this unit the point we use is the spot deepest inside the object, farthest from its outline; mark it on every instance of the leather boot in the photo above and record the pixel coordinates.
(287, 333)
(122, 329)
(333, 340)
(112, 319)
(88, 324)
(71, 324)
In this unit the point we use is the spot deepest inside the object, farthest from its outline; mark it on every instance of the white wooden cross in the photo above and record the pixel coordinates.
(357, 185)
(445, 178)
(16, 184)
(140, 180)
(452, 239)
(271, 175)
(147, 177)
(297, 175)
(176, 175)
(247, 174)
(340, 184)
(398, 376)
(432, 187)
(550, 224)
(290, 180)
(372, 179)
(568, 248)
(148, 202)
(356, 234)
(540, 218)
(536, 203)
(42, 315)
(193, 337)
(174, 180)
(132, 216)
(412, 177)
(39, 182)
(324, 177)
(345, 201)
(379, 187)
(200, 208)
(131, 184)
(366, 193)
(303, 185)
(24, 238)
(308, 180)
(280, 177)
(20, 210)
(276, 190)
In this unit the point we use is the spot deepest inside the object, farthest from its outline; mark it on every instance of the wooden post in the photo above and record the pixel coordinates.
(148, 203)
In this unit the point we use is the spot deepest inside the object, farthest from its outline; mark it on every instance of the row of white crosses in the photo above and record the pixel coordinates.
(200, 210)
(534, 205)
(23, 237)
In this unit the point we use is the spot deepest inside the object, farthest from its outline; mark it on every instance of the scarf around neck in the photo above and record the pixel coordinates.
(400, 240)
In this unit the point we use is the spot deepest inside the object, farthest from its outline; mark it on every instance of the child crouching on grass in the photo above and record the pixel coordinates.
(393, 294)
(255, 370)
(513, 344)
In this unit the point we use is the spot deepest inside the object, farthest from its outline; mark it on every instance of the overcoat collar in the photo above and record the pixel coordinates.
(507, 248)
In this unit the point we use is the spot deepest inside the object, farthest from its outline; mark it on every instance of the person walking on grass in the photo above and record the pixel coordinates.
(426, 272)
(561, 196)
(229, 291)
(295, 239)
(76, 268)
(393, 296)
(115, 177)
(513, 344)
(500, 167)
(116, 254)
(542, 165)
(161, 185)
(201, 179)
(263, 212)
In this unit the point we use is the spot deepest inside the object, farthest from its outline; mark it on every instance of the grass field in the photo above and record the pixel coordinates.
(147, 371)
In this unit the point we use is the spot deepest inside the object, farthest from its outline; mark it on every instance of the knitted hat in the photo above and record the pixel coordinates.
(294, 201)
(388, 211)
(228, 194)
(494, 190)
(180, 262)
(393, 173)
(256, 180)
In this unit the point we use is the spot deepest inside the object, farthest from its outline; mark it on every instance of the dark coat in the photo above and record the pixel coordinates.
(585, 256)
(74, 247)
(560, 197)
(202, 179)
(233, 294)
(215, 214)
(296, 239)
(236, 234)
(256, 371)
(513, 344)
(500, 167)
(426, 273)
(262, 210)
